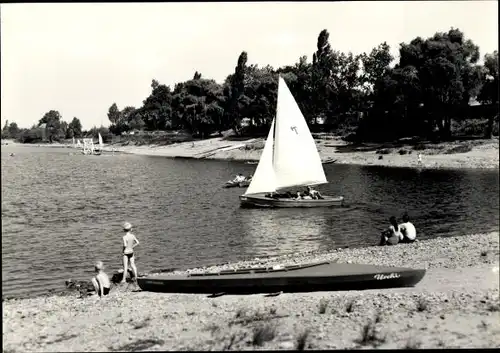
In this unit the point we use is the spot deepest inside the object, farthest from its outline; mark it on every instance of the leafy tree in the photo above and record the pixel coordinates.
(322, 83)
(235, 93)
(198, 103)
(114, 113)
(156, 111)
(10, 131)
(489, 90)
(376, 65)
(75, 128)
(447, 74)
(53, 120)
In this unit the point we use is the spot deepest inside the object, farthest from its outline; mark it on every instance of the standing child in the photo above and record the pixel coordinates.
(129, 243)
(101, 281)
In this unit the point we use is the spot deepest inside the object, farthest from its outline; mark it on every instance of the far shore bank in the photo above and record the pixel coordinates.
(480, 154)
(467, 154)
(455, 306)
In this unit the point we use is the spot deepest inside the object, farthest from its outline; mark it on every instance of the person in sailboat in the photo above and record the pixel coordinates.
(392, 235)
(302, 196)
(315, 194)
(239, 178)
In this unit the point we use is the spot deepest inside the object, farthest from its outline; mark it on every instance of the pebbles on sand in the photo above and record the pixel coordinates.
(455, 305)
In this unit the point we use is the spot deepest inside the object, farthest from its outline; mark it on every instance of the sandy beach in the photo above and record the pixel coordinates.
(459, 154)
(475, 154)
(455, 305)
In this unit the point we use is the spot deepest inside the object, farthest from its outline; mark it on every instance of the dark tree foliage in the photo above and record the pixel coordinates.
(430, 84)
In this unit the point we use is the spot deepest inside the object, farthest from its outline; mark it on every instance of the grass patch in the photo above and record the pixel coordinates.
(420, 147)
(235, 338)
(349, 308)
(403, 152)
(212, 328)
(139, 345)
(323, 305)
(422, 305)
(244, 318)
(300, 345)
(459, 149)
(143, 324)
(263, 333)
(483, 325)
(493, 307)
(62, 337)
(413, 343)
(383, 151)
(369, 336)
(254, 146)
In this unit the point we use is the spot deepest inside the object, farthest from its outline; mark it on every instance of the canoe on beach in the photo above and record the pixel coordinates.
(323, 276)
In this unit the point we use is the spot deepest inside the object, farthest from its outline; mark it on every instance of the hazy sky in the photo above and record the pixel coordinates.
(80, 58)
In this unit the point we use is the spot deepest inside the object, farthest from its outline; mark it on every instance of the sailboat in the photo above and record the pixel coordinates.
(98, 151)
(289, 159)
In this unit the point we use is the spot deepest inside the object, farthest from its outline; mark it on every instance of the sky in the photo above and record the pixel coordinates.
(81, 58)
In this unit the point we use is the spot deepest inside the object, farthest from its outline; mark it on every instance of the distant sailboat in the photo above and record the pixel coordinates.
(290, 158)
(101, 143)
(98, 151)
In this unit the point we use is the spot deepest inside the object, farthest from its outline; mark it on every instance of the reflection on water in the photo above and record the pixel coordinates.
(62, 212)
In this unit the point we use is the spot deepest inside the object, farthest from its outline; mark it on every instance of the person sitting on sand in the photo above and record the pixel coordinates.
(101, 281)
(392, 235)
(298, 196)
(129, 243)
(408, 231)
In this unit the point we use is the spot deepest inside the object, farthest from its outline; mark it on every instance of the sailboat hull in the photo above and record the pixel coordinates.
(261, 201)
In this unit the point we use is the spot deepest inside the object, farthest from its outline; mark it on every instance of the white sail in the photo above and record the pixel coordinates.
(263, 179)
(101, 144)
(296, 158)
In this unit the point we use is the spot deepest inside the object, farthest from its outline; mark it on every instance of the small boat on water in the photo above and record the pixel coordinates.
(290, 159)
(329, 161)
(234, 184)
(98, 151)
(323, 276)
(238, 181)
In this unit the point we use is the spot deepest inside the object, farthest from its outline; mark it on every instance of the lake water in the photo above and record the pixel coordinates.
(62, 212)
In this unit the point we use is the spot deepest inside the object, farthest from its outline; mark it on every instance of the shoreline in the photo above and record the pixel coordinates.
(455, 305)
(468, 154)
(473, 154)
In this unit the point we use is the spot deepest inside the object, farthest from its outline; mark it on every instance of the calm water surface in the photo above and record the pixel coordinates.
(62, 212)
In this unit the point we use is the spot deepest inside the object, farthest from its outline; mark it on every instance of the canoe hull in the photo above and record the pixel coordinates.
(307, 278)
(261, 201)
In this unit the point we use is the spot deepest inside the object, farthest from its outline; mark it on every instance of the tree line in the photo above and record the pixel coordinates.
(370, 94)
